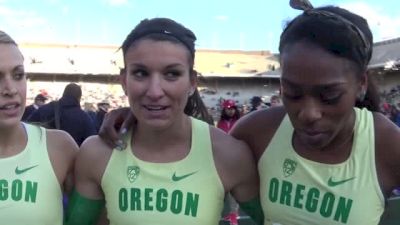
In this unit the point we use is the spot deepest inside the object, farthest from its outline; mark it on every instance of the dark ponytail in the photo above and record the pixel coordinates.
(195, 106)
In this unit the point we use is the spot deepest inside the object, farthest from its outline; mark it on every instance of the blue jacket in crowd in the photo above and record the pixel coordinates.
(73, 119)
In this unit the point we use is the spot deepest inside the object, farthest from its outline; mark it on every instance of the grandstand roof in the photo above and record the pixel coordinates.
(86, 59)
(386, 54)
(106, 60)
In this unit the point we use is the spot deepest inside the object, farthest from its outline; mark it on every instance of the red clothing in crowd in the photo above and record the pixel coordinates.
(226, 125)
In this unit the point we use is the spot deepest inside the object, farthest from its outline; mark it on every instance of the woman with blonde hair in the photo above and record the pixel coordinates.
(35, 163)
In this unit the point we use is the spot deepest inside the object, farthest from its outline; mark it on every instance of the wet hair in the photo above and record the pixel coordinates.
(6, 39)
(164, 29)
(341, 33)
(73, 90)
(224, 115)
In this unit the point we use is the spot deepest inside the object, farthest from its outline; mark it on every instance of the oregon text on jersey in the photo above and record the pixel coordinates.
(161, 200)
(18, 190)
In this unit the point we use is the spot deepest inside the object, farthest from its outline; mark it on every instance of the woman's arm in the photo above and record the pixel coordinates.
(237, 170)
(62, 152)
(87, 201)
(246, 190)
(387, 147)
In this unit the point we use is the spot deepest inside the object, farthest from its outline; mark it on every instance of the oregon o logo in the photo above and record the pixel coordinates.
(133, 173)
(289, 166)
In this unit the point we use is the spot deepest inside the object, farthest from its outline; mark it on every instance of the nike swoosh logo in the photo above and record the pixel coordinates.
(178, 178)
(332, 183)
(20, 171)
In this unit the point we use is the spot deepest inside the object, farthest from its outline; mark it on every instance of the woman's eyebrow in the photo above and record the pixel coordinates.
(328, 85)
(174, 65)
(19, 67)
(140, 65)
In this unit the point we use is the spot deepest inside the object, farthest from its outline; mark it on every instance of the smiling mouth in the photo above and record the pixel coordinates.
(9, 106)
(155, 108)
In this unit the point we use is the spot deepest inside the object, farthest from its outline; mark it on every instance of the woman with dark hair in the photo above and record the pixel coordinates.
(229, 115)
(35, 163)
(175, 168)
(327, 156)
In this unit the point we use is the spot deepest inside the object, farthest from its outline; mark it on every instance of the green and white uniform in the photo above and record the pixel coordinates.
(188, 191)
(29, 190)
(298, 191)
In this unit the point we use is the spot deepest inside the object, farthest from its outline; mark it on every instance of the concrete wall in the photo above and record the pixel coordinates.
(240, 89)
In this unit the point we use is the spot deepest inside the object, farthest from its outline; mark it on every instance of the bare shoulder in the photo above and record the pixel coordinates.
(60, 142)
(234, 160)
(257, 128)
(93, 149)
(387, 137)
(387, 134)
(227, 146)
(62, 152)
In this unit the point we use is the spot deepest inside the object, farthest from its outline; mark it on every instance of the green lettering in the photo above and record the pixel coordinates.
(135, 199)
(3, 190)
(123, 199)
(286, 193)
(312, 200)
(299, 196)
(31, 191)
(343, 209)
(16, 190)
(148, 199)
(327, 204)
(176, 202)
(273, 189)
(192, 202)
(162, 202)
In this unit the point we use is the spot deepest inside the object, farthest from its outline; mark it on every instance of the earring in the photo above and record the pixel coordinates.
(361, 97)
